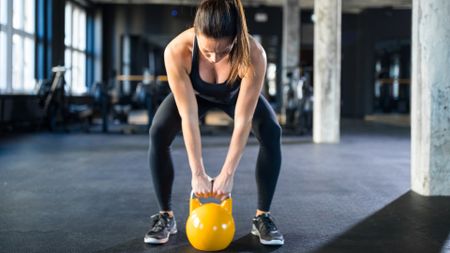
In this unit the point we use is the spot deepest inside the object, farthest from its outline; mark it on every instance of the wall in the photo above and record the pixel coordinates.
(161, 23)
(50, 15)
(360, 34)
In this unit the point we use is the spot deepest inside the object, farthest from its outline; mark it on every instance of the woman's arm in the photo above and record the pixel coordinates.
(181, 87)
(251, 86)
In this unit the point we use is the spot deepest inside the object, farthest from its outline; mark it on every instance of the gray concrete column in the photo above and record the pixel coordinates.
(327, 71)
(291, 36)
(430, 113)
(290, 49)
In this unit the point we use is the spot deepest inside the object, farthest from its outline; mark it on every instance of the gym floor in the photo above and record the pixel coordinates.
(93, 193)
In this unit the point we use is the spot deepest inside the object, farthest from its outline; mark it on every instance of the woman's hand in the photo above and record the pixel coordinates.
(201, 185)
(222, 186)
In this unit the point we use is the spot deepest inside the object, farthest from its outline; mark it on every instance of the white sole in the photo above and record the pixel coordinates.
(265, 242)
(161, 241)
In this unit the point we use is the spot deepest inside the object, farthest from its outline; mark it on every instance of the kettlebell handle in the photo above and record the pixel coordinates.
(193, 196)
(194, 203)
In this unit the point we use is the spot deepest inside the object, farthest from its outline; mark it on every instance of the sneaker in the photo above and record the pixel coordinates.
(161, 228)
(265, 228)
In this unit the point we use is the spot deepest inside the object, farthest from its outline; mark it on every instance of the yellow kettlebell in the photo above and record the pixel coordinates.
(210, 226)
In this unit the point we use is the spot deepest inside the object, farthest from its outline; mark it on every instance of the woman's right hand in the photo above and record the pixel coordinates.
(202, 185)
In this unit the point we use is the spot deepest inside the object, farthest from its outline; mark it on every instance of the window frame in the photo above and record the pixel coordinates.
(72, 49)
(10, 32)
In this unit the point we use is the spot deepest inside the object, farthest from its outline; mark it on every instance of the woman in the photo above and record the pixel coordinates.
(215, 64)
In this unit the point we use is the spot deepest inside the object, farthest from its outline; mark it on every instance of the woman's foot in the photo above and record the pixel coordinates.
(162, 226)
(265, 228)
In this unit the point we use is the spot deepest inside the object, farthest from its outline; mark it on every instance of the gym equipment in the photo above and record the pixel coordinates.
(101, 93)
(210, 227)
(61, 108)
(53, 101)
(298, 103)
(144, 95)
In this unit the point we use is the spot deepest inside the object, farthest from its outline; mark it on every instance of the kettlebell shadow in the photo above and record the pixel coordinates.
(250, 243)
(246, 243)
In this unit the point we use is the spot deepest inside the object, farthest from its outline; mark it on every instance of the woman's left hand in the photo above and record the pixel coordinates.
(222, 185)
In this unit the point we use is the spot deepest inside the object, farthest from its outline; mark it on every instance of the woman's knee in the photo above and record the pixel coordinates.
(157, 135)
(269, 133)
(276, 130)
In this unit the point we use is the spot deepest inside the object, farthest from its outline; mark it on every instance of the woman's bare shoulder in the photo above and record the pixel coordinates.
(257, 55)
(180, 47)
(257, 52)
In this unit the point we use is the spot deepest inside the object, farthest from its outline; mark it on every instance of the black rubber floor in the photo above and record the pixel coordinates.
(93, 193)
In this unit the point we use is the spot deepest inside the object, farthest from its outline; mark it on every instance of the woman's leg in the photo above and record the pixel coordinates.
(165, 126)
(267, 130)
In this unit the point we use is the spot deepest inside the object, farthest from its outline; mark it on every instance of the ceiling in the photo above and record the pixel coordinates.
(353, 6)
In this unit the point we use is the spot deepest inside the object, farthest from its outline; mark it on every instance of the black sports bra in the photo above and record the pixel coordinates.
(218, 92)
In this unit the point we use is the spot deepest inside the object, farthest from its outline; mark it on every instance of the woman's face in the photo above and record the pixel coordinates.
(215, 49)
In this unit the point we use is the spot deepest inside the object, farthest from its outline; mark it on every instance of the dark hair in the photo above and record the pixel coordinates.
(226, 18)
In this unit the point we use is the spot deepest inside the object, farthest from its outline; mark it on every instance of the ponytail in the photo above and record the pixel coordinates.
(226, 18)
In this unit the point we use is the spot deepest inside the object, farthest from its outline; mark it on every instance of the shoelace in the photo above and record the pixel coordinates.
(268, 223)
(160, 224)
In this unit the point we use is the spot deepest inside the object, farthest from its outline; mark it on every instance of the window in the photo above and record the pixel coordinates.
(3, 56)
(17, 43)
(3, 82)
(75, 53)
(29, 16)
(3, 11)
(17, 70)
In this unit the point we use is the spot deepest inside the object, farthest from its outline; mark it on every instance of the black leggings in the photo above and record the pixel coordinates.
(167, 123)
